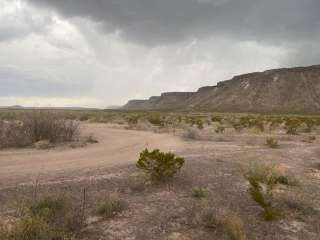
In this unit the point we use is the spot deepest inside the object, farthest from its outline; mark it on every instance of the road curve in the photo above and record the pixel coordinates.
(116, 147)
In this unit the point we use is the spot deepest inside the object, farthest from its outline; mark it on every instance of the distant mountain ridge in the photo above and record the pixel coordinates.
(18, 107)
(285, 90)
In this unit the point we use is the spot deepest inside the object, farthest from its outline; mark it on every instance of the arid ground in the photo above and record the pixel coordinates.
(215, 162)
(116, 147)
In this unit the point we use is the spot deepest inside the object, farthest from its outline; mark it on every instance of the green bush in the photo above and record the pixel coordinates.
(263, 180)
(111, 207)
(159, 165)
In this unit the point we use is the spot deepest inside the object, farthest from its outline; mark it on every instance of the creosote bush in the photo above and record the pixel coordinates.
(159, 165)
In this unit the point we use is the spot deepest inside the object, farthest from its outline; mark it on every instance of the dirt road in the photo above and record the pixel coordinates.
(116, 147)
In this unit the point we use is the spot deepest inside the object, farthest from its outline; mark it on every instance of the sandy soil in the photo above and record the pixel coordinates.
(116, 147)
(169, 212)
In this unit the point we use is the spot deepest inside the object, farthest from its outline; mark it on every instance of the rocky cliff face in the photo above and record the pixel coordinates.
(288, 90)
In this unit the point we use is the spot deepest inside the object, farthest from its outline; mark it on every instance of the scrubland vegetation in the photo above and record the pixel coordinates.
(41, 129)
(232, 185)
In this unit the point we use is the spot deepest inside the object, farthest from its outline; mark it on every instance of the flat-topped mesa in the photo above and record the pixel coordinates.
(154, 98)
(206, 89)
(177, 94)
(135, 105)
(285, 90)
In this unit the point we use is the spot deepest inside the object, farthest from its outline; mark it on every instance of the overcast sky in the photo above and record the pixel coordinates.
(104, 52)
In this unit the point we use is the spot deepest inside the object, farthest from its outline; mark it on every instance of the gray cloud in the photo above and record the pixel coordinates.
(108, 51)
(17, 83)
(18, 20)
(154, 22)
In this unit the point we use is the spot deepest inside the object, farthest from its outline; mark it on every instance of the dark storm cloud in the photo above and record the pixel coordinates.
(21, 84)
(154, 22)
(20, 22)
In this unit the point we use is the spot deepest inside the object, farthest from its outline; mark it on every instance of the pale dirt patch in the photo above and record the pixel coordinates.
(116, 147)
(165, 212)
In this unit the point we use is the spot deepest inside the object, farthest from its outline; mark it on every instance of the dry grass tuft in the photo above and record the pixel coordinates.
(111, 206)
(234, 227)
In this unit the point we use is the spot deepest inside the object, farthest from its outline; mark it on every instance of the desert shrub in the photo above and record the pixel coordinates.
(252, 122)
(133, 120)
(31, 228)
(111, 207)
(287, 180)
(59, 213)
(191, 133)
(216, 119)
(137, 183)
(14, 134)
(272, 143)
(156, 120)
(220, 129)
(210, 218)
(229, 226)
(234, 227)
(37, 126)
(199, 192)
(50, 126)
(47, 219)
(237, 126)
(292, 125)
(199, 124)
(159, 165)
(84, 117)
(263, 180)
